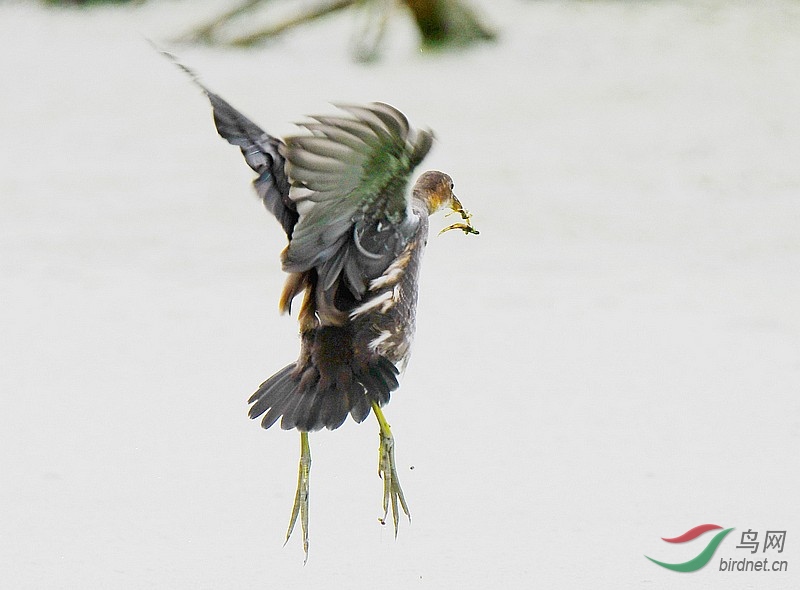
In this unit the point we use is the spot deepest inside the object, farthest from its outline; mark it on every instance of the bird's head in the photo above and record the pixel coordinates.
(435, 189)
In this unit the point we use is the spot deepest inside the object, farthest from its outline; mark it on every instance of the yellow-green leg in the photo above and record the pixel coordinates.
(387, 470)
(301, 496)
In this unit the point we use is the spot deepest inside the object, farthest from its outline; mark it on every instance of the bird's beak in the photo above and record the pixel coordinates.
(456, 205)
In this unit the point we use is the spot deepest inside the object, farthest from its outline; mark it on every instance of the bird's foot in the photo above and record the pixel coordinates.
(387, 470)
(301, 496)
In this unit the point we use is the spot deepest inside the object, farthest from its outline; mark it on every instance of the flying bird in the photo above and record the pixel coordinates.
(355, 240)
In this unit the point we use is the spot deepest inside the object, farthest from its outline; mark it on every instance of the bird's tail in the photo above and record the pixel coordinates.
(309, 397)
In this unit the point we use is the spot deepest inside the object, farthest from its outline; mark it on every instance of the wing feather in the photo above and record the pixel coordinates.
(339, 192)
(372, 120)
(355, 128)
(351, 169)
(262, 152)
(338, 135)
(392, 118)
(300, 158)
(329, 148)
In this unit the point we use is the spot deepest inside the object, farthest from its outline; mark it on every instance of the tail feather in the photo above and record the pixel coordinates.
(269, 391)
(270, 417)
(305, 416)
(388, 372)
(335, 407)
(375, 385)
(359, 405)
(293, 400)
(277, 409)
(302, 399)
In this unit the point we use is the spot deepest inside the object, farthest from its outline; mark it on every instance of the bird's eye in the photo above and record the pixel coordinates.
(452, 185)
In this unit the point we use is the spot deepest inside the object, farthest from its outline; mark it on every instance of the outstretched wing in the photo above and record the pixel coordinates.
(261, 151)
(349, 185)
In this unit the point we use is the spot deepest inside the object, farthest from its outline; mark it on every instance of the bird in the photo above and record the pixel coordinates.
(355, 237)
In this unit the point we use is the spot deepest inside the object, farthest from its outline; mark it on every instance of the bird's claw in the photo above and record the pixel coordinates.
(301, 496)
(392, 492)
(387, 470)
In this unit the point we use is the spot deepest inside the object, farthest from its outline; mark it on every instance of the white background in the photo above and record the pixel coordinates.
(613, 360)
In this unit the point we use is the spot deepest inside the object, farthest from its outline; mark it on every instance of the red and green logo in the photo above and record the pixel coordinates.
(703, 557)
